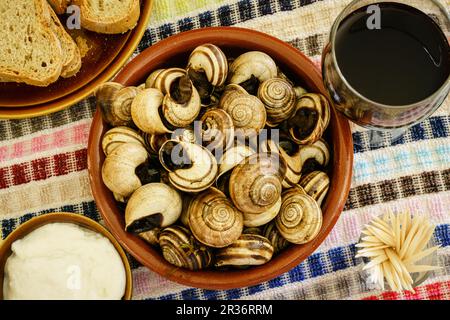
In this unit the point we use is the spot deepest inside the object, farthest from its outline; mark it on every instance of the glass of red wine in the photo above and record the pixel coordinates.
(387, 65)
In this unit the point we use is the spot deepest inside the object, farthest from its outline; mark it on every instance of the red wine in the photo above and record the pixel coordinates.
(403, 62)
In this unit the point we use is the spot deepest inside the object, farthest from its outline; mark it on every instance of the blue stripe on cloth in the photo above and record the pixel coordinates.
(432, 128)
(225, 15)
(318, 264)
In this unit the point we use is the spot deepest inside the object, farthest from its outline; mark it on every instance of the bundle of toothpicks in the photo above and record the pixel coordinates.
(393, 244)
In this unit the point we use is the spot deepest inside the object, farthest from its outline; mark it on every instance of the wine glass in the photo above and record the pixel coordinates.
(383, 119)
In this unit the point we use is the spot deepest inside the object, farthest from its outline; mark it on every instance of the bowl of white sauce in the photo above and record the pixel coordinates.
(63, 256)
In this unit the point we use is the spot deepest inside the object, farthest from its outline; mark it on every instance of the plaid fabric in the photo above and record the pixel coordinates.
(43, 165)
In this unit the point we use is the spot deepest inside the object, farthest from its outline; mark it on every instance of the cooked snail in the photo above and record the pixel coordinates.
(248, 250)
(260, 219)
(154, 205)
(313, 156)
(255, 184)
(279, 99)
(247, 112)
(105, 96)
(289, 151)
(273, 235)
(145, 111)
(150, 82)
(164, 79)
(118, 170)
(213, 219)
(230, 92)
(316, 184)
(119, 135)
(211, 61)
(153, 142)
(217, 130)
(179, 248)
(191, 167)
(184, 218)
(252, 230)
(253, 63)
(310, 118)
(299, 92)
(300, 217)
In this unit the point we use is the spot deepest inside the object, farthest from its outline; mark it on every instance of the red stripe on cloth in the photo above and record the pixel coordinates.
(44, 168)
(433, 291)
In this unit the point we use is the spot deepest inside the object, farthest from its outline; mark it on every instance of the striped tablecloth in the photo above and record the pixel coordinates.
(43, 165)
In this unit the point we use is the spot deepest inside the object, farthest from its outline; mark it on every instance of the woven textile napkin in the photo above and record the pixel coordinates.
(43, 165)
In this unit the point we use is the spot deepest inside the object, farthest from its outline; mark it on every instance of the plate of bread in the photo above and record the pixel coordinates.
(54, 53)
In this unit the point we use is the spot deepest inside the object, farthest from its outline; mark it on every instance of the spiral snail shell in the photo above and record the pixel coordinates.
(179, 248)
(255, 184)
(210, 60)
(247, 112)
(231, 91)
(150, 82)
(253, 63)
(213, 219)
(248, 250)
(289, 151)
(310, 118)
(154, 205)
(260, 219)
(153, 142)
(119, 169)
(145, 112)
(119, 135)
(300, 217)
(191, 167)
(279, 99)
(312, 155)
(217, 129)
(316, 184)
(114, 113)
(163, 79)
(272, 234)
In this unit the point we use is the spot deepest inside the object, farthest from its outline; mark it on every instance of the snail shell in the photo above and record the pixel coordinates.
(217, 129)
(119, 169)
(154, 205)
(145, 112)
(184, 218)
(118, 136)
(273, 235)
(209, 59)
(255, 63)
(316, 184)
(163, 79)
(248, 250)
(255, 184)
(299, 92)
(153, 142)
(247, 112)
(292, 158)
(260, 219)
(105, 96)
(150, 82)
(300, 217)
(232, 157)
(179, 248)
(180, 114)
(310, 118)
(279, 99)
(231, 91)
(191, 167)
(317, 153)
(252, 230)
(213, 219)
(151, 236)
(121, 106)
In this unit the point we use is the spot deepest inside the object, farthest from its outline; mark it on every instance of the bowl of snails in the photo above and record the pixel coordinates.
(216, 159)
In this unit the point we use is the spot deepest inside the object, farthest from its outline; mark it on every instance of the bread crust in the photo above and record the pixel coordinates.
(115, 25)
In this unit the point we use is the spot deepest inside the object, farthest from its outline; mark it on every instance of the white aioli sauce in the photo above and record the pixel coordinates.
(64, 261)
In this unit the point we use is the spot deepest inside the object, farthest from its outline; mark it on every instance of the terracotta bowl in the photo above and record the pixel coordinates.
(174, 51)
(29, 226)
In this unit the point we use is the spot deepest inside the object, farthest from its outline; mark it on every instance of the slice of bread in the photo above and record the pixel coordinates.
(30, 51)
(71, 53)
(60, 6)
(109, 16)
